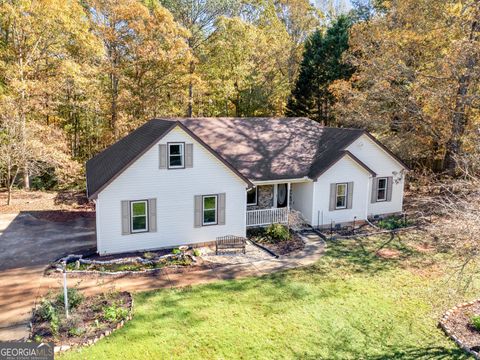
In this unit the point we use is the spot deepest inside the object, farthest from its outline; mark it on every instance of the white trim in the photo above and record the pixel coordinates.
(385, 189)
(182, 155)
(281, 181)
(132, 216)
(345, 196)
(256, 197)
(203, 210)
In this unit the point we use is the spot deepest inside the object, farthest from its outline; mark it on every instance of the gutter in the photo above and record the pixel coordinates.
(281, 181)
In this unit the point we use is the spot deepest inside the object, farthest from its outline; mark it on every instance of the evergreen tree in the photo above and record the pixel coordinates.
(321, 66)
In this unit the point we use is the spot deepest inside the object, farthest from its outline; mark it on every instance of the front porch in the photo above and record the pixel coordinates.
(269, 203)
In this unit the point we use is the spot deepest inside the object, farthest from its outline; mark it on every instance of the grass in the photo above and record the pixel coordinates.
(352, 304)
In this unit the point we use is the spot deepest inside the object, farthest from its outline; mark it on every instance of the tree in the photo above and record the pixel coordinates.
(321, 66)
(416, 79)
(36, 41)
(198, 17)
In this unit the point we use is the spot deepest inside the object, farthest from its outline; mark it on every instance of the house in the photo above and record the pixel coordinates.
(190, 180)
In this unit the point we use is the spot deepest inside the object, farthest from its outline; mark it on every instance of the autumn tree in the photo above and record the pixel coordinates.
(198, 17)
(37, 38)
(416, 79)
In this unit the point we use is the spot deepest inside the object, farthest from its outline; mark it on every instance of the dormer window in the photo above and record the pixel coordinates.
(176, 155)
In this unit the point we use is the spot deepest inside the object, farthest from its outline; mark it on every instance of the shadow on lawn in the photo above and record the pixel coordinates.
(437, 353)
(430, 353)
(372, 255)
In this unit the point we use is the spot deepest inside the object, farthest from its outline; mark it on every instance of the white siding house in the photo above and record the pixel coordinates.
(183, 181)
(174, 191)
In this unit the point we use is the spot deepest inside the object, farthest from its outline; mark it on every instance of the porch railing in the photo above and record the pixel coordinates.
(267, 216)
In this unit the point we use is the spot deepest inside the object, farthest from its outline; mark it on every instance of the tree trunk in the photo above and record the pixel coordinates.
(459, 117)
(26, 179)
(190, 91)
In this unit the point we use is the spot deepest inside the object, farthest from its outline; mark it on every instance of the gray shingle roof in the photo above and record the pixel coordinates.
(257, 148)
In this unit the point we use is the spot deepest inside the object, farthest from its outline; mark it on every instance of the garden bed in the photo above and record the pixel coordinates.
(279, 242)
(460, 325)
(388, 224)
(90, 319)
(126, 263)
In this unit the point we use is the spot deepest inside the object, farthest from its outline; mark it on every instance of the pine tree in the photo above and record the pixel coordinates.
(321, 66)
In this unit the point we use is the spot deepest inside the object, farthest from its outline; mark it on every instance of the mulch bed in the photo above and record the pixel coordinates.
(457, 324)
(88, 318)
(282, 247)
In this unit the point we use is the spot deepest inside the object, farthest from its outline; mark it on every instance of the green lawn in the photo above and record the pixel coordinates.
(351, 304)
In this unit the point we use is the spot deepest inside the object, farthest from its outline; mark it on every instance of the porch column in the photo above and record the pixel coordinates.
(288, 197)
(275, 189)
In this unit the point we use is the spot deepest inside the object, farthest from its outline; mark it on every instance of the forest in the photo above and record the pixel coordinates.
(75, 76)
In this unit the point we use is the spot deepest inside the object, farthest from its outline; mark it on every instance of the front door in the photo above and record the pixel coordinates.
(282, 195)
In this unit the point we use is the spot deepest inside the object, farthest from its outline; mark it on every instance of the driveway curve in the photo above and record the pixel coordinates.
(27, 246)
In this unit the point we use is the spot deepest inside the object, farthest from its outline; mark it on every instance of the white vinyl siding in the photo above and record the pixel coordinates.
(345, 171)
(384, 166)
(175, 192)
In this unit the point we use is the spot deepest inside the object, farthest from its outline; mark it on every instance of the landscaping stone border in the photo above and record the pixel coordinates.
(90, 342)
(443, 325)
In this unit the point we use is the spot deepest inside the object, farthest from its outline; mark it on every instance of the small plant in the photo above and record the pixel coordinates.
(38, 338)
(176, 251)
(197, 252)
(392, 223)
(114, 313)
(47, 310)
(75, 331)
(475, 321)
(278, 232)
(149, 255)
(74, 298)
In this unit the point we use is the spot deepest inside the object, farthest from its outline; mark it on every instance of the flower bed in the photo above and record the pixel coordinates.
(277, 239)
(460, 324)
(140, 262)
(90, 318)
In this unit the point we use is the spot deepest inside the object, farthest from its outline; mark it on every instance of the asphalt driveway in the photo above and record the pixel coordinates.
(27, 245)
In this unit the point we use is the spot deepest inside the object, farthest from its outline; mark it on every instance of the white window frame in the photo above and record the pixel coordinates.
(256, 196)
(182, 155)
(379, 188)
(203, 210)
(336, 196)
(132, 216)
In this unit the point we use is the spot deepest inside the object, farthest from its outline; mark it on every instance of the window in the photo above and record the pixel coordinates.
(175, 155)
(382, 189)
(252, 196)
(139, 217)
(341, 196)
(210, 210)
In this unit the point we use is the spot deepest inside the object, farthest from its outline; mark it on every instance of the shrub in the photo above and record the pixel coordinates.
(197, 252)
(74, 298)
(278, 232)
(475, 321)
(176, 251)
(149, 255)
(114, 313)
(392, 223)
(75, 331)
(48, 312)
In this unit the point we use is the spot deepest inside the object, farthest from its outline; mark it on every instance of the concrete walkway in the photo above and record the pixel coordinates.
(23, 284)
(313, 250)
